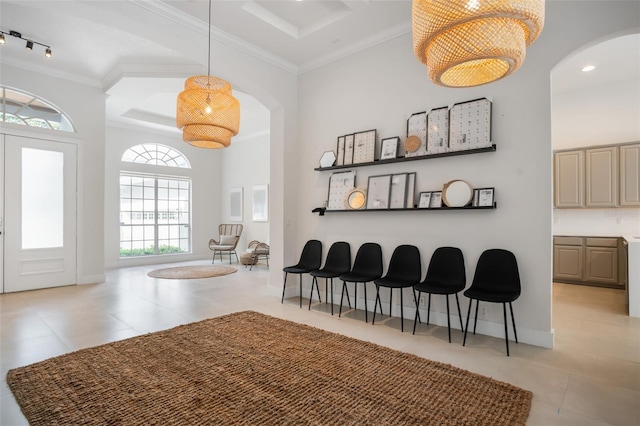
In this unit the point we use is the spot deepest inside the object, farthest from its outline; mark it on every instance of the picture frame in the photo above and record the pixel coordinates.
(470, 125)
(340, 184)
(340, 151)
(485, 197)
(235, 204)
(398, 192)
(425, 200)
(389, 148)
(411, 190)
(436, 200)
(378, 192)
(364, 146)
(260, 203)
(348, 149)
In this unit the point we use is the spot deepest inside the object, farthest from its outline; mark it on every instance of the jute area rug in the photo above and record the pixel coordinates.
(252, 369)
(189, 272)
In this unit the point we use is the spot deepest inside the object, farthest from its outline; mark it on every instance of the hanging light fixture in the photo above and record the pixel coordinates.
(467, 43)
(207, 112)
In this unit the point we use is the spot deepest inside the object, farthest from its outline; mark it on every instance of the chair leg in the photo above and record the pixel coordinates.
(331, 293)
(475, 322)
(513, 321)
(506, 328)
(428, 308)
(355, 297)
(464, 339)
(401, 313)
(459, 313)
(390, 301)
(326, 291)
(344, 288)
(213, 260)
(375, 306)
(314, 281)
(415, 300)
(366, 312)
(300, 279)
(417, 317)
(284, 286)
(448, 318)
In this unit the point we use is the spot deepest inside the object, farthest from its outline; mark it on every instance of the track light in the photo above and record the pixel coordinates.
(30, 43)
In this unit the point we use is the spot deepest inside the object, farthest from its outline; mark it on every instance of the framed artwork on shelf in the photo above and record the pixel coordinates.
(398, 194)
(378, 192)
(348, 150)
(416, 143)
(340, 150)
(389, 148)
(260, 203)
(340, 185)
(484, 197)
(470, 125)
(328, 159)
(235, 204)
(364, 147)
(436, 200)
(424, 200)
(411, 190)
(438, 131)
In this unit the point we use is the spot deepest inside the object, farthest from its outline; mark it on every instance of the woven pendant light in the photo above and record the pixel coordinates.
(207, 112)
(467, 43)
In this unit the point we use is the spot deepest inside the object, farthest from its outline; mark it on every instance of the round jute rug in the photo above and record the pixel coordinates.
(189, 272)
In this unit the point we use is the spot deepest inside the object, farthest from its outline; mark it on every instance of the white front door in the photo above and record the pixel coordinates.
(39, 228)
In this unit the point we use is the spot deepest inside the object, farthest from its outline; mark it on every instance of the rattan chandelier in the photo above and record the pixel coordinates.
(467, 43)
(207, 112)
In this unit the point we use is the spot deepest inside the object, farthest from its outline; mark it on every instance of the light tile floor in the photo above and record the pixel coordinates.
(591, 377)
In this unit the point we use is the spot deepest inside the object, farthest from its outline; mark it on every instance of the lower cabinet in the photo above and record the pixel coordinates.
(588, 260)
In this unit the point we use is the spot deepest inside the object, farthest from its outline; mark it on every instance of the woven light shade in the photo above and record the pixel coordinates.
(467, 43)
(207, 112)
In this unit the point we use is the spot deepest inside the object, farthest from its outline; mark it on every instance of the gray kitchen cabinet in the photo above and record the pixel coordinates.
(601, 177)
(630, 175)
(601, 260)
(589, 260)
(567, 262)
(569, 179)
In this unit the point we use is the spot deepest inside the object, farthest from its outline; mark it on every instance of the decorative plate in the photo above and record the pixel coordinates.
(412, 143)
(457, 193)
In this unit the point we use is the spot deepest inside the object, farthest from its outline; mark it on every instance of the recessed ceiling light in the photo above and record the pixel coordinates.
(588, 68)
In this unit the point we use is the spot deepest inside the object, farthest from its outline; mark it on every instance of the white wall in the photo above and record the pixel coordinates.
(380, 87)
(85, 106)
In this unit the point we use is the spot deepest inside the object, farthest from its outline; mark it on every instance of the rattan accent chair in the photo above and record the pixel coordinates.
(227, 241)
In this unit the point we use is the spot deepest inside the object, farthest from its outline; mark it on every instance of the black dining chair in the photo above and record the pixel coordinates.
(496, 280)
(445, 275)
(310, 260)
(405, 270)
(338, 262)
(366, 267)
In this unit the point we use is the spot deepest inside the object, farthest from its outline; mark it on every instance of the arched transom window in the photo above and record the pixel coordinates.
(153, 153)
(23, 108)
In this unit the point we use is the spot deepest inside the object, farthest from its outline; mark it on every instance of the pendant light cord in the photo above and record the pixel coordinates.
(209, 57)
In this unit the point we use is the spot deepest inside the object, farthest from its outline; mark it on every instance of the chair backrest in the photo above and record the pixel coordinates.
(497, 270)
(230, 229)
(405, 264)
(338, 258)
(446, 267)
(311, 256)
(368, 260)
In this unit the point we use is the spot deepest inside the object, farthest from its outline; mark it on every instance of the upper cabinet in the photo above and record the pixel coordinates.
(630, 175)
(602, 177)
(568, 179)
(597, 177)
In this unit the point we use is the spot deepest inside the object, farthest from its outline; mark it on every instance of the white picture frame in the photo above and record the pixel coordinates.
(378, 192)
(260, 203)
(425, 200)
(398, 197)
(485, 197)
(436, 200)
(235, 204)
(389, 148)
